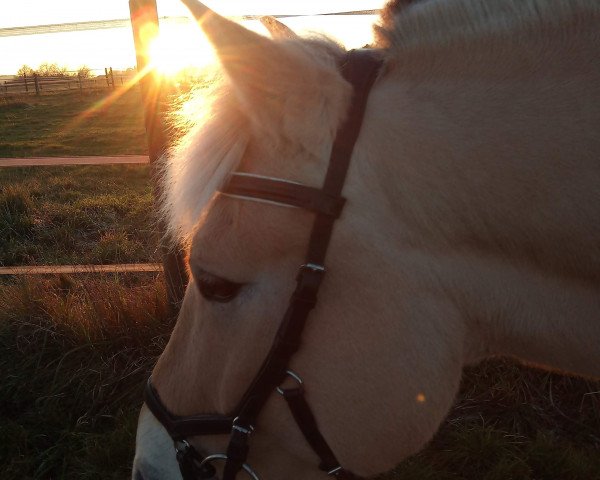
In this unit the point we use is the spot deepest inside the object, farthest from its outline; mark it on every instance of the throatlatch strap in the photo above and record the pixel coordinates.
(360, 69)
(308, 425)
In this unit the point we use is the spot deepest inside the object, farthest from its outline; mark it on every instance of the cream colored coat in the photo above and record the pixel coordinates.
(472, 226)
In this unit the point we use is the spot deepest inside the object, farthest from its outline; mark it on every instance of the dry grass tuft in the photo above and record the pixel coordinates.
(74, 354)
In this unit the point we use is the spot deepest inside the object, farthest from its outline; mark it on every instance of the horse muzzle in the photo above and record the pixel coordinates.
(194, 466)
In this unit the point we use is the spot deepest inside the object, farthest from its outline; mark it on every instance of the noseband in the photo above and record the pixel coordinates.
(359, 68)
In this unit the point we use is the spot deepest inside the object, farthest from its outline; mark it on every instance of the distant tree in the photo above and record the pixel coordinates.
(51, 70)
(25, 70)
(84, 71)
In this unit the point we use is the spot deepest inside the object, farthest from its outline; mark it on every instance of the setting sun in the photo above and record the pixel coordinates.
(176, 49)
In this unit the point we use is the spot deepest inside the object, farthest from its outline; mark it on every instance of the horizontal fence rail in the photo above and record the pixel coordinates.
(57, 269)
(97, 78)
(73, 269)
(83, 160)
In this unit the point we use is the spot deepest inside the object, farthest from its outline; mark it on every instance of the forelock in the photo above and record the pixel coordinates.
(211, 139)
(213, 127)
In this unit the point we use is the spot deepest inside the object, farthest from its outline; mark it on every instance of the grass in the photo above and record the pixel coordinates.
(76, 214)
(75, 351)
(72, 123)
(74, 354)
(514, 422)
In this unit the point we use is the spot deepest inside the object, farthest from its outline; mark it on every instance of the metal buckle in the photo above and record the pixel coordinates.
(292, 374)
(313, 267)
(221, 456)
(309, 278)
(246, 431)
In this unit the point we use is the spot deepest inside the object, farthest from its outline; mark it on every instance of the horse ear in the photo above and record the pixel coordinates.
(281, 89)
(276, 28)
(230, 40)
(259, 69)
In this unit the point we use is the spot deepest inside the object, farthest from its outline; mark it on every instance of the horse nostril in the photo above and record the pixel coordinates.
(137, 475)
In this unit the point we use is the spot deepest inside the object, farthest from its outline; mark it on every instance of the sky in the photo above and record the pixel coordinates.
(114, 47)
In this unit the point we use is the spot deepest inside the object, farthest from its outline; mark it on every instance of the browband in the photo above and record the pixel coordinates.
(283, 192)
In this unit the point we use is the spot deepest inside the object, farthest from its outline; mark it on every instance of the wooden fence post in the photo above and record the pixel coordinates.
(112, 77)
(106, 76)
(36, 82)
(79, 81)
(144, 17)
(25, 80)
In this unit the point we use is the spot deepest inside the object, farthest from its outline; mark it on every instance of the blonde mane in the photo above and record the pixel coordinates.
(432, 23)
(211, 140)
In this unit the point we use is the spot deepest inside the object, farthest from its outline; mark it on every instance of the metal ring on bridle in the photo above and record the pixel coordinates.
(181, 445)
(221, 456)
(292, 374)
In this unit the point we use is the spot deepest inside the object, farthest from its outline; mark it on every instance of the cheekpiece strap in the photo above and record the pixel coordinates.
(360, 69)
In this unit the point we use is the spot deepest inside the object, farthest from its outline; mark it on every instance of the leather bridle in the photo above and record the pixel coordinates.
(360, 69)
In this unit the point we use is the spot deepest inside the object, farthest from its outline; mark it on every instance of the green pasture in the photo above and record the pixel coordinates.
(76, 214)
(72, 123)
(75, 350)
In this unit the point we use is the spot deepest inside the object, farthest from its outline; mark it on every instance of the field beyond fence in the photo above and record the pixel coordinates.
(35, 84)
(72, 123)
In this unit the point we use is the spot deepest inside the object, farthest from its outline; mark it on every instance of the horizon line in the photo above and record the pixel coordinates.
(125, 23)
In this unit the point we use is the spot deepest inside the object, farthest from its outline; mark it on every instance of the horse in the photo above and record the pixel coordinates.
(471, 227)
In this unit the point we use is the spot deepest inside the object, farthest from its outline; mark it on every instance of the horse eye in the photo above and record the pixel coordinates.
(215, 289)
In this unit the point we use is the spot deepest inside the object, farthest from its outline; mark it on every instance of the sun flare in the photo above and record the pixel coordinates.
(175, 50)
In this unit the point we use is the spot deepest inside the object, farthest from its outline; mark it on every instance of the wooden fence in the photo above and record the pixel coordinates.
(143, 14)
(38, 84)
(72, 269)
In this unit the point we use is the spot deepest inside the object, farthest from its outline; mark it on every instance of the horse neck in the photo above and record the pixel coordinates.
(514, 310)
(493, 176)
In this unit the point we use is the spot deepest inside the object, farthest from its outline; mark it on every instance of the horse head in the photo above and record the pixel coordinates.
(418, 279)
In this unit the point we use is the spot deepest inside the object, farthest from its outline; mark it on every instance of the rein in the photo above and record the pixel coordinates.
(360, 69)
